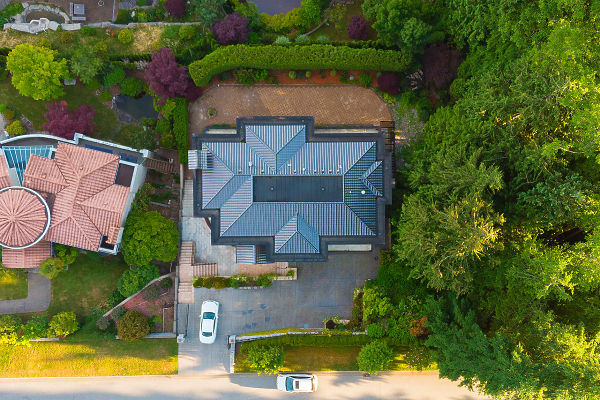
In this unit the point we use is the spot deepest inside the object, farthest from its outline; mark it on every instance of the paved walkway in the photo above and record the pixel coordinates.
(273, 7)
(331, 105)
(39, 294)
(322, 290)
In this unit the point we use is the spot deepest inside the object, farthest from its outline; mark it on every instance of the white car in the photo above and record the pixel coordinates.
(297, 383)
(209, 316)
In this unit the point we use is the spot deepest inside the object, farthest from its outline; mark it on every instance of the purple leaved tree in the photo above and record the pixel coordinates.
(176, 8)
(64, 123)
(231, 30)
(357, 28)
(165, 78)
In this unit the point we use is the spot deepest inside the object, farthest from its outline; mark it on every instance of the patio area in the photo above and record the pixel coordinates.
(93, 10)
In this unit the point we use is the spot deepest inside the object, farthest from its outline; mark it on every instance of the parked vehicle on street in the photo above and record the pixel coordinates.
(297, 382)
(209, 316)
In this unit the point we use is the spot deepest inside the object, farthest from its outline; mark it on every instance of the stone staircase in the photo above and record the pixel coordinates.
(188, 198)
(188, 269)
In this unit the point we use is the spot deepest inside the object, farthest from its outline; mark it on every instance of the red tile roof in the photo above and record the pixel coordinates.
(23, 217)
(87, 204)
(4, 178)
(31, 257)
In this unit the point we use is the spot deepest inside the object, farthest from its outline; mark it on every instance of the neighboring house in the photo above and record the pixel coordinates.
(74, 192)
(281, 192)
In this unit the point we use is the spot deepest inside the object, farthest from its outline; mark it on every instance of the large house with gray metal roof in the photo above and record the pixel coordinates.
(279, 191)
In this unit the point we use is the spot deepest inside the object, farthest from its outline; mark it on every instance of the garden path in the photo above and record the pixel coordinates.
(39, 294)
(331, 105)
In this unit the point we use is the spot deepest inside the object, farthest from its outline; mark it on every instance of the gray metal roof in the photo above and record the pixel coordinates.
(233, 168)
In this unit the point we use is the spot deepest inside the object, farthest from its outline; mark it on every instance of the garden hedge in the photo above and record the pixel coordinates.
(296, 57)
(180, 128)
(322, 341)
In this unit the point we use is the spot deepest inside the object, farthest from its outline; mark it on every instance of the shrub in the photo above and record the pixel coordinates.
(44, 43)
(418, 357)
(141, 3)
(131, 87)
(175, 7)
(220, 282)
(67, 254)
(134, 279)
(292, 74)
(308, 74)
(198, 281)
(302, 39)
(389, 82)
(151, 293)
(333, 72)
(344, 76)
(64, 122)
(290, 273)
(15, 129)
(209, 282)
(118, 312)
(458, 88)
(133, 326)
(165, 77)
(418, 327)
(357, 28)
(125, 36)
(282, 40)
(163, 126)
(67, 37)
(352, 324)
(51, 267)
(114, 298)
(233, 283)
(9, 114)
(166, 140)
(166, 283)
(180, 128)
(186, 32)
(440, 64)
(101, 47)
(93, 85)
(267, 360)
(365, 79)
(322, 39)
(63, 324)
(9, 327)
(375, 357)
(114, 77)
(87, 31)
(374, 331)
(105, 95)
(265, 280)
(103, 323)
(148, 122)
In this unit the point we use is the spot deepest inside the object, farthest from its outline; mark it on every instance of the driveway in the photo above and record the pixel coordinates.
(330, 105)
(39, 294)
(322, 290)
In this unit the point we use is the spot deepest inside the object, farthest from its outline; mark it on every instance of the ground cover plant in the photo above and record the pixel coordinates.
(13, 284)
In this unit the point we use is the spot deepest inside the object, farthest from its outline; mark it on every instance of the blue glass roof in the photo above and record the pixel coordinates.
(18, 157)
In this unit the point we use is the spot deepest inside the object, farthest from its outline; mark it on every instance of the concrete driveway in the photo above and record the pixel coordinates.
(322, 290)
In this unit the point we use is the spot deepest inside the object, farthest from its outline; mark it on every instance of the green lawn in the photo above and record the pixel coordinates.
(308, 358)
(13, 285)
(106, 120)
(144, 357)
(87, 283)
(342, 35)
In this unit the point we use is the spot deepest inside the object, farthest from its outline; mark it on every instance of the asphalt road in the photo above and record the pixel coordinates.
(332, 386)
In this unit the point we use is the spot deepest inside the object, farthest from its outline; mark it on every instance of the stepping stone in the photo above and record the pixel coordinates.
(267, 319)
(250, 311)
(263, 306)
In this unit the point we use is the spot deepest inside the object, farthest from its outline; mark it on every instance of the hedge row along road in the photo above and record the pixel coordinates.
(296, 57)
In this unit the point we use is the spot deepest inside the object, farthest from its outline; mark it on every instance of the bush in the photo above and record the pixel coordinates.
(114, 298)
(15, 129)
(180, 128)
(166, 140)
(67, 254)
(51, 267)
(308, 74)
(44, 43)
(166, 283)
(87, 31)
(344, 76)
(63, 324)
(231, 30)
(333, 72)
(67, 37)
(118, 312)
(375, 357)
(151, 293)
(141, 3)
(163, 126)
(302, 39)
(134, 279)
(175, 7)
(322, 39)
(265, 280)
(2, 108)
(458, 88)
(389, 82)
(93, 85)
(357, 28)
(186, 32)
(282, 40)
(233, 283)
(9, 114)
(9, 327)
(374, 331)
(114, 77)
(267, 360)
(101, 47)
(296, 57)
(292, 74)
(131, 87)
(365, 79)
(133, 326)
(198, 281)
(290, 273)
(105, 95)
(103, 323)
(220, 282)
(125, 36)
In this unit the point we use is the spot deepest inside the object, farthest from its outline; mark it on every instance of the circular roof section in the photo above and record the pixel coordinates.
(24, 217)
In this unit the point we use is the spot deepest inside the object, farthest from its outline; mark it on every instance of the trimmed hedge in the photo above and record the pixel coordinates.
(322, 341)
(315, 56)
(180, 128)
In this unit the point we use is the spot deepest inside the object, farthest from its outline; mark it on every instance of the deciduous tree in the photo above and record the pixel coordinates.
(165, 78)
(35, 72)
(149, 236)
(65, 123)
(175, 7)
(357, 28)
(231, 30)
(86, 64)
(208, 11)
